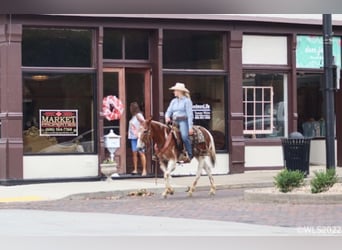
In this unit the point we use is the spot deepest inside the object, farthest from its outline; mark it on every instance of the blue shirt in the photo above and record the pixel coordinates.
(181, 107)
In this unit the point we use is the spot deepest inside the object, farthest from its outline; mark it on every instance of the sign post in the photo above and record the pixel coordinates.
(329, 92)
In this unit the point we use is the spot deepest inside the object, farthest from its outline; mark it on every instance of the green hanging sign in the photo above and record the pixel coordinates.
(309, 53)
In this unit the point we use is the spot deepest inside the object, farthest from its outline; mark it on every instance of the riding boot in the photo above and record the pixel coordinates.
(184, 158)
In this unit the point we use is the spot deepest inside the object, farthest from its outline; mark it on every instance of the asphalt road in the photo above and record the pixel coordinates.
(226, 206)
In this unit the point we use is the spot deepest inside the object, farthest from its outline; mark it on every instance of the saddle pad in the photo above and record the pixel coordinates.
(198, 135)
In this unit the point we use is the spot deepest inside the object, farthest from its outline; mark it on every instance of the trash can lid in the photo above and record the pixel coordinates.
(296, 135)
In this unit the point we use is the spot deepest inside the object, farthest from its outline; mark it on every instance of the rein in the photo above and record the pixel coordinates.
(159, 152)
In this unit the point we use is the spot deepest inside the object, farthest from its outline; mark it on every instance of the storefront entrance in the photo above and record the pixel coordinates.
(130, 85)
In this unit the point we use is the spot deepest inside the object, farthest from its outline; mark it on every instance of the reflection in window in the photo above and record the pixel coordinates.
(207, 94)
(52, 47)
(310, 105)
(55, 106)
(192, 50)
(126, 44)
(259, 115)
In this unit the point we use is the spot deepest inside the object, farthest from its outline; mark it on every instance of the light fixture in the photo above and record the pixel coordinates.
(40, 77)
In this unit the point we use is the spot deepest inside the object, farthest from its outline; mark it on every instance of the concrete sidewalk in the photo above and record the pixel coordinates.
(53, 191)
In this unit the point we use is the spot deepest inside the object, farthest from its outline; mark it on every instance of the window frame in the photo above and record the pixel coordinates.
(254, 116)
(286, 84)
(93, 52)
(223, 54)
(92, 69)
(89, 71)
(123, 47)
(225, 83)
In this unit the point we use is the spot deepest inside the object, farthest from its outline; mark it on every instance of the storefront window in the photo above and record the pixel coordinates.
(111, 87)
(208, 97)
(58, 113)
(264, 105)
(310, 105)
(126, 44)
(192, 50)
(52, 47)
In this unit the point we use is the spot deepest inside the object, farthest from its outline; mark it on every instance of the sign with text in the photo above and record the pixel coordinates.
(309, 53)
(58, 122)
(202, 111)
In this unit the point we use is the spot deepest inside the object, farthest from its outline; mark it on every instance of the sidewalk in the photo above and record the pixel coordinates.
(53, 191)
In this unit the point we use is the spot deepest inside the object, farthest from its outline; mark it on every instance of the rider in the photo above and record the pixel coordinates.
(180, 111)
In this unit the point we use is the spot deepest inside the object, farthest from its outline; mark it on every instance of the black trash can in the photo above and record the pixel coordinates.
(296, 152)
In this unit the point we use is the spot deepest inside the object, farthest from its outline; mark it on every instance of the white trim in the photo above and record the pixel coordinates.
(263, 156)
(60, 166)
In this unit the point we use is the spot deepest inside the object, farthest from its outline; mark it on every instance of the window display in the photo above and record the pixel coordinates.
(58, 113)
(310, 105)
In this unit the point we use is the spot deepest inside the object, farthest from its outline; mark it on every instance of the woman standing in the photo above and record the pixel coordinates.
(133, 128)
(180, 111)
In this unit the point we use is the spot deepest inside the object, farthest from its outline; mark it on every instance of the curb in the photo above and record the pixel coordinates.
(158, 190)
(259, 195)
(263, 197)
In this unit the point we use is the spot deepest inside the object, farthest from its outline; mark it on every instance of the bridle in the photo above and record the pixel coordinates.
(146, 135)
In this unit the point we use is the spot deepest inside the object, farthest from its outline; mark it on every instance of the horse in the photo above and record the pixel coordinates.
(167, 151)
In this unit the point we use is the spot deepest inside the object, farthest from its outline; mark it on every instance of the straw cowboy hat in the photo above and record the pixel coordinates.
(180, 86)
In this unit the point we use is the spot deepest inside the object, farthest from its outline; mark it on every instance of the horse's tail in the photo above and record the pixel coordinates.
(212, 151)
(211, 148)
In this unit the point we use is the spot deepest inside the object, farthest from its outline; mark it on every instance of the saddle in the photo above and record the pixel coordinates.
(197, 140)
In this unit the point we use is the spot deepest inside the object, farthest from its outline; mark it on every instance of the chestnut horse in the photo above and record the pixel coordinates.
(167, 151)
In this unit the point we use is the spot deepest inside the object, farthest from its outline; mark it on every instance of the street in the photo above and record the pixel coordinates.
(227, 206)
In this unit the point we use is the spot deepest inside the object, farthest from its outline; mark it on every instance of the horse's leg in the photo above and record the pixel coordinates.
(167, 176)
(198, 174)
(163, 168)
(207, 169)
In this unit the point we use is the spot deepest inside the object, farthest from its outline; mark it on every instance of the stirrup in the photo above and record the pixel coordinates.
(184, 158)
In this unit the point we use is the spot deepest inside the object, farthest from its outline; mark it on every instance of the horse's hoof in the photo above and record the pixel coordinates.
(212, 193)
(164, 195)
(190, 194)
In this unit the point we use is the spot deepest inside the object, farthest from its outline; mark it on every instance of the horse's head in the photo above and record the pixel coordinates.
(144, 134)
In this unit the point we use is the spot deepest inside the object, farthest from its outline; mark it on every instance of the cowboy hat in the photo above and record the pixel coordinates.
(180, 86)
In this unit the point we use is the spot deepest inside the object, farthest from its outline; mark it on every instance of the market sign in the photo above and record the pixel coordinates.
(309, 52)
(202, 111)
(58, 122)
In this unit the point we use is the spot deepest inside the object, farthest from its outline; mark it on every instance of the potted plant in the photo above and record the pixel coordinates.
(108, 167)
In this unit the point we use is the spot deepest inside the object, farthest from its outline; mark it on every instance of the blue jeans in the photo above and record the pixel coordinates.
(184, 130)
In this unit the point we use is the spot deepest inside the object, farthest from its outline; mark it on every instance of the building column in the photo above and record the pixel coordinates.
(99, 86)
(157, 76)
(235, 98)
(11, 116)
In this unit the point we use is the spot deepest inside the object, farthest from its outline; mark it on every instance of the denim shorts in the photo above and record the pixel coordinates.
(134, 143)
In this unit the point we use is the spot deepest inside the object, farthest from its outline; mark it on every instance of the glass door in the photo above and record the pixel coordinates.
(138, 90)
(129, 85)
(113, 84)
